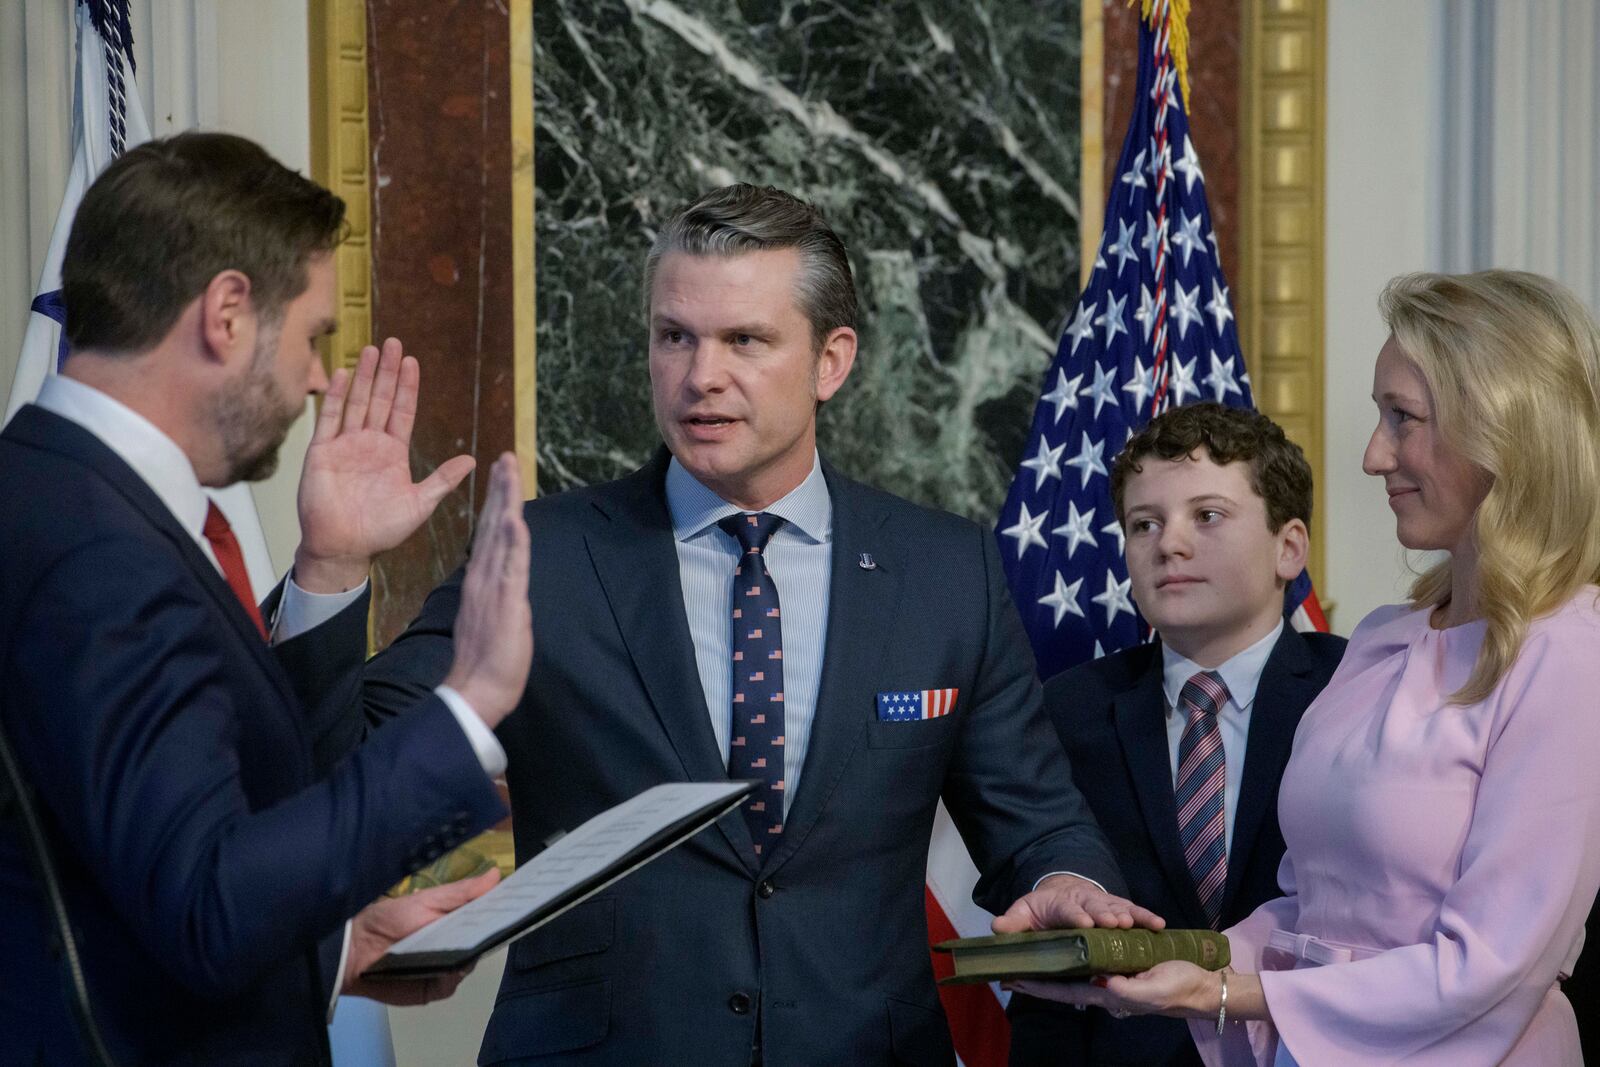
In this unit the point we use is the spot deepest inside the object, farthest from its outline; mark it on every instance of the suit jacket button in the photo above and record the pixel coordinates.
(766, 889)
(739, 1003)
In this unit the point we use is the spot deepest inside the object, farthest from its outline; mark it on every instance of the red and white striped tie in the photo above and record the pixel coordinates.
(1202, 777)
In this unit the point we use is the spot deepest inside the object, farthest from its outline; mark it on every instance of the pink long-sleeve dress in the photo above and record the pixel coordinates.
(1441, 859)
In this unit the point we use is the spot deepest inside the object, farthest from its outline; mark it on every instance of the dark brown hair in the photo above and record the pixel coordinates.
(751, 218)
(1279, 473)
(169, 215)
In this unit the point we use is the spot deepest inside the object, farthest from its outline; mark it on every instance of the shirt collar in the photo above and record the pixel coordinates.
(807, 508)
(1241, 672)
(154, 457)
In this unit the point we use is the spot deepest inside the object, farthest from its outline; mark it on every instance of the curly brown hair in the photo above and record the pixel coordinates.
(1279, 473)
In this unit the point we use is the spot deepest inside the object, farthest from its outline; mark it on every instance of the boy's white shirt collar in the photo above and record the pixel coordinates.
(1241, 672)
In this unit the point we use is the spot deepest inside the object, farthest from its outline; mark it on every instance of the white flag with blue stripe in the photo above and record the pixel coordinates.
(108, 116)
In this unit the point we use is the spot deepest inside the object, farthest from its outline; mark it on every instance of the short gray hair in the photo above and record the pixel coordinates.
(750, 218)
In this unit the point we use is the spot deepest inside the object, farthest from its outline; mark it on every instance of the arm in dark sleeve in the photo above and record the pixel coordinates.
(324, 669)
(122, 700)
(1009, 789)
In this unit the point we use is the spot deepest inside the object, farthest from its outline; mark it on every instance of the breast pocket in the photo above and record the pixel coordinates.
(916, 733)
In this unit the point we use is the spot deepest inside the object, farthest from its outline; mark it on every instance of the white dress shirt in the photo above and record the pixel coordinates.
(1241, 673)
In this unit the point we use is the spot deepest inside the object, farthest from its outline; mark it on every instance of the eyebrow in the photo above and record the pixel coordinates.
(1205, 498)
(1384, 398)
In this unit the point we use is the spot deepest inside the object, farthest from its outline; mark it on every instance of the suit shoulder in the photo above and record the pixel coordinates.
(1326, 650)
(929, 522)
(1113, 673)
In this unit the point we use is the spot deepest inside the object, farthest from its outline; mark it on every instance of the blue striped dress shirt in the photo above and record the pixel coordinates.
(799, 558)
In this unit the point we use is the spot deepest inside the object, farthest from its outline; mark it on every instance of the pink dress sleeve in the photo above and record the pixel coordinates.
(1254, 1042)
(1528, 873)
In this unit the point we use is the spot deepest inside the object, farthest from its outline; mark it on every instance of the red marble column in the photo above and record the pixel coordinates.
(439, 119)
(1216, 52)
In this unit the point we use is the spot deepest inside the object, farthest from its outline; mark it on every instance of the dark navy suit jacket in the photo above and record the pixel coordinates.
(1110, 714)
(212, 834)
(823, 944)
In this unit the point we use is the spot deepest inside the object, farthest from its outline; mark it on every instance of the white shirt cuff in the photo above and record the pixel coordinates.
(338, 975)
(1072, 874)
(300, 611)
(484, 745)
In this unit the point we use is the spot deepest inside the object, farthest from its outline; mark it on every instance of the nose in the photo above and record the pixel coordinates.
(1378, 459)
(1174, 540)
(316, 377)
(708, 369)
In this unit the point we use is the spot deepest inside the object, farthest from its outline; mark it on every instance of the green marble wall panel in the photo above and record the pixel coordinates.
(941, 140)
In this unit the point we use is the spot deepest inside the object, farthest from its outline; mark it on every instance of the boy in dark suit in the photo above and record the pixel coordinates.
(1179, 744)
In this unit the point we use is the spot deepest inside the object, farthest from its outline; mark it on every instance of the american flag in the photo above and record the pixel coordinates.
(1154, 327)
(916, 704)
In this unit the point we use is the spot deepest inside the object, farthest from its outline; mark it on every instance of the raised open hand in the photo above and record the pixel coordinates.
(356, 494)
(494, 624)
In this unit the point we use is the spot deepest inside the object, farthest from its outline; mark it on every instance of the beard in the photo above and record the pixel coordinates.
(253, 417)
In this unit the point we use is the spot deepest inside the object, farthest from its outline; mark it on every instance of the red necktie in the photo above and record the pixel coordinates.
(226, 548)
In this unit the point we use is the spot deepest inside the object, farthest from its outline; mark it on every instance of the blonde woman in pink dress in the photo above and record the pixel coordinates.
(1442, 803)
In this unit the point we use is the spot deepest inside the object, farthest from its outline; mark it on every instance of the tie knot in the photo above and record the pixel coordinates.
(751, 529)
(216, 522)
(1206, 692)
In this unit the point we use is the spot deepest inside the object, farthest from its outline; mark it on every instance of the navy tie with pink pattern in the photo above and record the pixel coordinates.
(755, 750)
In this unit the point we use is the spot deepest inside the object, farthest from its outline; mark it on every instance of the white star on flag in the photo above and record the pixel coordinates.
(1221, 380)
(1082, 326)
(1063, 599)
(1186, 309)
(1143, 383)
(1076, 528)
(1065, 394)
(1123, 249)
(1046, 463)
(1104, 388)
(1135, 175)
(1111, 319)
(1182, 381)
(1114, 528)
(1188, 238)
(1218, 304)
(1189, 165)
(1146, 315)
(1088, 459)
(1026, 530)
(1115, 598)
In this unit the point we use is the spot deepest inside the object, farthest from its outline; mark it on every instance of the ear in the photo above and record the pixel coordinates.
(1294, 544)
(833, 364)
(227, 316)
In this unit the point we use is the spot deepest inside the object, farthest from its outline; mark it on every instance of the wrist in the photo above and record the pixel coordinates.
(340, 574)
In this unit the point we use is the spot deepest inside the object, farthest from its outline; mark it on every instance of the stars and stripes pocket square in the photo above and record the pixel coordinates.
(914, 705)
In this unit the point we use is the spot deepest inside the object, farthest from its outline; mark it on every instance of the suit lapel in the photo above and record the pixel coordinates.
(44, 429)
(862, 605)
(636, 560)
(1284, 690)
(1141, 728)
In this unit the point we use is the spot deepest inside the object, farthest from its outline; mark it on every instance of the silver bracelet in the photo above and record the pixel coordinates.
(1222, 1010)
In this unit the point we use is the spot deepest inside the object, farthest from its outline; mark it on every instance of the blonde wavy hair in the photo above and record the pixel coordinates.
(1512, 361)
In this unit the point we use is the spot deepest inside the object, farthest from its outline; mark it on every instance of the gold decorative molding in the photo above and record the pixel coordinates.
(525, 400)
(337, 30)
(1282, 106)
(1091, 114)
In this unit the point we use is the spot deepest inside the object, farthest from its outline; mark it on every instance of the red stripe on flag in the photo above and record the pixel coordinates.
(978, 1024)
(1313, 609)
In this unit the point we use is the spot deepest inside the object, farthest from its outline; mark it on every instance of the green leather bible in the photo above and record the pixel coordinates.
(1063, 955)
